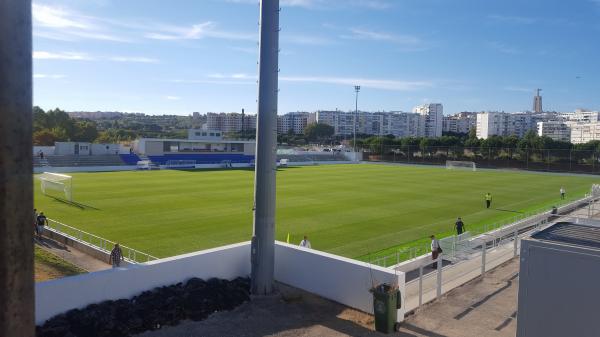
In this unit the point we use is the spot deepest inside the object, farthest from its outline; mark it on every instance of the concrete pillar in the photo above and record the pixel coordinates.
(16, 196)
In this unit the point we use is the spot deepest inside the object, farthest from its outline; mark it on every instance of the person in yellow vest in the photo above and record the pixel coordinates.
(488, 200)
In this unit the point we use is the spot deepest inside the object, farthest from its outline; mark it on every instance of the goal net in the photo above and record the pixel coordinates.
(57, 182)
(469, 165)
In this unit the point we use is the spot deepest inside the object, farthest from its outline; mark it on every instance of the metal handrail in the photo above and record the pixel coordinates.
(487, 229)
(130, 254)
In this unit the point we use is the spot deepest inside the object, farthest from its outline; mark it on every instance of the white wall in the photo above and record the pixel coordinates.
(58, 296)
(339, 279)
(67, 169)
(48, 150)
(103, 149)
(333, 277)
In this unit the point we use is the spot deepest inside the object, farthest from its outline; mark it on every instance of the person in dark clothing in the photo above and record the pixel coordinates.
(459, 226)
(116, 256)
(41, 222)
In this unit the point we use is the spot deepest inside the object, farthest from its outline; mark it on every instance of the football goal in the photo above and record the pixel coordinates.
(57, 182)
(469, 165)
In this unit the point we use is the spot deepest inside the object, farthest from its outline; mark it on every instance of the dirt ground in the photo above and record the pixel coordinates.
(484, 307)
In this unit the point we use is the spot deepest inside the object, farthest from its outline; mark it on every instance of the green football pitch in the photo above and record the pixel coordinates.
(350, 210)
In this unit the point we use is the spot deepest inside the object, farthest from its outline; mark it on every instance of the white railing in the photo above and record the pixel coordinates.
(131, 255)
(409, 253)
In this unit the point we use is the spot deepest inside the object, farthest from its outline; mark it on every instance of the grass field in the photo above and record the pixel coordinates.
(350, 210)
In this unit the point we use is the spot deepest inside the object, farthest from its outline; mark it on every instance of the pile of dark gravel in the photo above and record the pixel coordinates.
(194, 300)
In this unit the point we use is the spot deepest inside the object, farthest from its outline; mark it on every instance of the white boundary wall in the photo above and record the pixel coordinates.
(58, 296)
(67, 169)
(334, 277)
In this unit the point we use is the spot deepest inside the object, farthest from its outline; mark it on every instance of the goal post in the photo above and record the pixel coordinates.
(469, 165)
(57, 182)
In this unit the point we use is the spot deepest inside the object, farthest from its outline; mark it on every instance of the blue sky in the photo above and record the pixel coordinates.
(180, 56)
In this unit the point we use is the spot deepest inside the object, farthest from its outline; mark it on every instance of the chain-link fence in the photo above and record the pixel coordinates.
(557, 160)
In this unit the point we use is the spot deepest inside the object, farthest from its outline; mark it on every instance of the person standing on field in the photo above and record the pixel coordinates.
(116, 256)
(562, 193)
(459, 226)
(305, 243)
(488, 200)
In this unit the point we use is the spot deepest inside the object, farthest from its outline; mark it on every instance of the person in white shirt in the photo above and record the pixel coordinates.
(435, 250)
(562, 192)
(305, 243)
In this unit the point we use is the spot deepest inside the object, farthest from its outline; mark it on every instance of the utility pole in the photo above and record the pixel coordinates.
(243, 130)
(356, 90)
(263, 239)
(16, 171)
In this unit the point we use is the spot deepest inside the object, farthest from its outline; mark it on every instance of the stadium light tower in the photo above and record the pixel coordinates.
(263, 238)
(356, 90)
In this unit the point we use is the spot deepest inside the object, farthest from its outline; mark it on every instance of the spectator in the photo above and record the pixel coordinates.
(116, 256)
(42, 155)
(554, 210)
(459, 226)
(435, 250)
(41, 222)
(305, 243)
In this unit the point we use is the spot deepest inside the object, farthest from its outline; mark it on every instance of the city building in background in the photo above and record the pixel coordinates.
(504, 124)
(292, 121)
(230, 122)
(434, 115)
(462, 122)
(557, 130)
(537, 102)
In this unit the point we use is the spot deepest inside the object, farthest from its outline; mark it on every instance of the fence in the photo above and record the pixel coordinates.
(550, 160)
(488, 251)
(104, 245)
(420, 249)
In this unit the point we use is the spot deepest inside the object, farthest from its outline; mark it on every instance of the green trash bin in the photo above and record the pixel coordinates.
(386, 302)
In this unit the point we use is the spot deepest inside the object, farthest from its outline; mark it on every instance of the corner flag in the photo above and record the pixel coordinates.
(288, 238)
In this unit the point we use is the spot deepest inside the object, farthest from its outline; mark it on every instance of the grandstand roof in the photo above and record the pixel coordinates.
(587, 236)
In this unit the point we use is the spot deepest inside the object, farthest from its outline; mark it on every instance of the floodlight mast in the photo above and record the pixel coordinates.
(263, 239)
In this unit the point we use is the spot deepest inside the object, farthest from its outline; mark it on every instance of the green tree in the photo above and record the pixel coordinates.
(319, 132)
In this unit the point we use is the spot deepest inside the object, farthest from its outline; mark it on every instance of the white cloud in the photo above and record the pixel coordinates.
(173, 98)
(364, 34)
(44, 55)
(503, 48)
(198, 31)
(521, 20)
(385, 84)
(133, 59)
(78, 56)
(49, 76)
(326, 4)
(58, 23)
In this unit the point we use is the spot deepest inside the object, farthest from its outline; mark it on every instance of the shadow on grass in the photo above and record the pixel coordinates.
(75, 204)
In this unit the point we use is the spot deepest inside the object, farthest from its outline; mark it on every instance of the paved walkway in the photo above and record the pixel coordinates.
(72, 255)
(483, 307)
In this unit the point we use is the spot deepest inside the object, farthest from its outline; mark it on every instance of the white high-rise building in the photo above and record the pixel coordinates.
(557, 130)
(504, 124)
(434, 116)
(230, 122)
(461, 122)
(294, 121)
(584, 132)
(403, 124)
